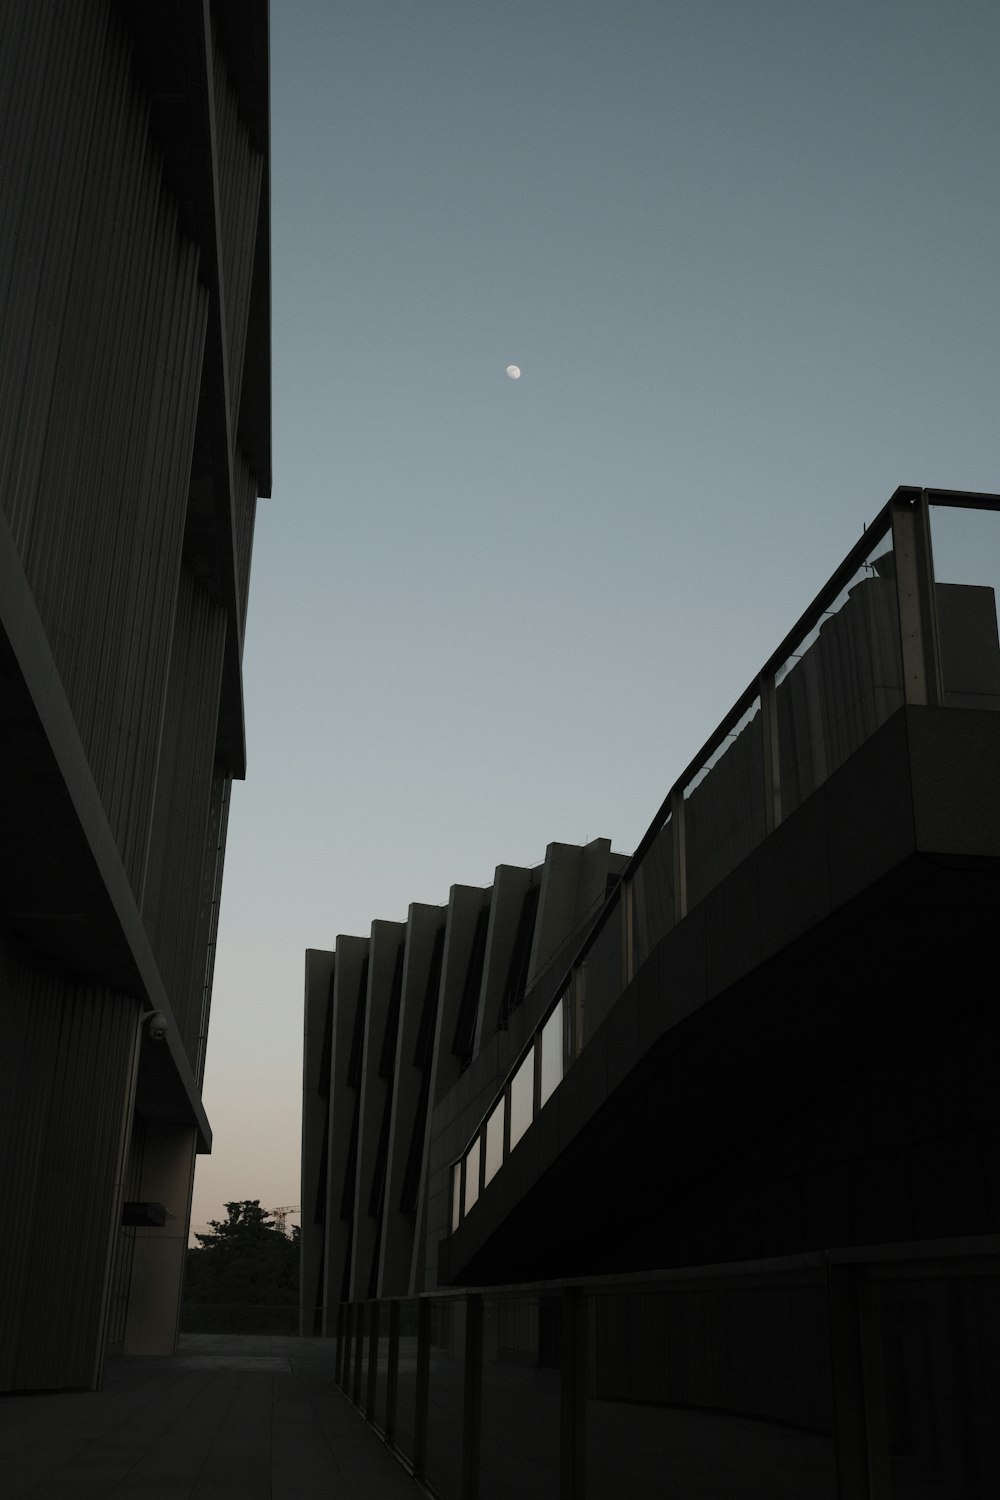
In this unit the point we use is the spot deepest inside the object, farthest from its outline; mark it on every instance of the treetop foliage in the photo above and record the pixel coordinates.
(245, 1259)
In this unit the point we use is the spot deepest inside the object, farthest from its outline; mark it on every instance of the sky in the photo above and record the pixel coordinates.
(745, 255)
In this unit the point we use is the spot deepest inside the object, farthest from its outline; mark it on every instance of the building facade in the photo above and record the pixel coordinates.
(737, 1154)
(393, 1024)
(134, 443)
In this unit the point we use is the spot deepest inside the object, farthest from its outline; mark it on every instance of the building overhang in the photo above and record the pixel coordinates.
(867, 917)
(63, 887)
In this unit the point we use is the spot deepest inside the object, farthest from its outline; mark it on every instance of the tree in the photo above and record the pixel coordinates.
(245, 1262)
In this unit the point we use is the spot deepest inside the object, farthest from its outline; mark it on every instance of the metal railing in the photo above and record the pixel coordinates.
(886, 630)
(863, 1372)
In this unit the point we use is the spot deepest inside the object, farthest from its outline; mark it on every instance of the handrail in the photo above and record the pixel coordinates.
(904, 499)
(587, 1346)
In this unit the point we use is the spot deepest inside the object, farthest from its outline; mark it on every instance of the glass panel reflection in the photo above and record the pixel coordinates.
(472, 1174)
(552, 1054)
(520, 1396)
(966, 546)
(369, 1393)
(382, 1375)
(940, 1343)
(704, 1391)
(360, 1332)
(445, 1404)
(494, 1142)
(404, 1425)
(522, 1096)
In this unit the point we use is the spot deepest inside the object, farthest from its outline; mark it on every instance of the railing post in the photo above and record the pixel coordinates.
(422, 1393)
(916, 602)
(573, 1394)
(678, 838)
(392, 1373)
(472, 1406)
(772, 752)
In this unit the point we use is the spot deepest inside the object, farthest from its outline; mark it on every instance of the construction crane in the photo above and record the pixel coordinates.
(279, 1215)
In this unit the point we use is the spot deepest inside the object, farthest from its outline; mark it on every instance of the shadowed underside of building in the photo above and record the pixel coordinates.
(134, 442)
(749, 1129)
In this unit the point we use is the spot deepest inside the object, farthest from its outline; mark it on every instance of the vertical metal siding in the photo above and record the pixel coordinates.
(205, 942)
(173, 902)
(67, 1048)
(240, 174)
(125, 1246)
(103, 325)
(245, 508)
(103, 332)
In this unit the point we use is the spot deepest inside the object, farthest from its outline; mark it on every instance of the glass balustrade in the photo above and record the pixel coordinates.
(724, 806)
(736, 1380)
(653, 895)
(839, 675)
(404, 1424)
(520, 1394)
(841, 680)
(966, 546)
(445, 1396)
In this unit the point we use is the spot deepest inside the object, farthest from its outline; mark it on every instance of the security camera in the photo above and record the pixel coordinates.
(158, 1024)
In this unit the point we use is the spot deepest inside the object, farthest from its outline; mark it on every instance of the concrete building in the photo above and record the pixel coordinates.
(134, 442)
(737, 1154)
(393, 1023)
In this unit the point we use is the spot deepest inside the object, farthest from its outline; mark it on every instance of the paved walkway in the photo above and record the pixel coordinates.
(230, 1417)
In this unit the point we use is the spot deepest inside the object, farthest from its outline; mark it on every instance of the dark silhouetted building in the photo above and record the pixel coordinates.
(713, 1200)
(134, 442)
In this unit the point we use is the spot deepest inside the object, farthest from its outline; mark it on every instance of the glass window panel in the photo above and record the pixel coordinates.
(456, 1195)
(966, 547)
(842, 680)
(494, 1142)
(552, 1054)
(472, 1174)
(522, 1097)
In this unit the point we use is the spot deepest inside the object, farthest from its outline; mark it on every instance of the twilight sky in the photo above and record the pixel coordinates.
(745, 253)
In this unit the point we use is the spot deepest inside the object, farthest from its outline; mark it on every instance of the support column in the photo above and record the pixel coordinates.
(159, 1254)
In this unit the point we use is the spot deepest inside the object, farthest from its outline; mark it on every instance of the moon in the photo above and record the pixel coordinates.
(514, 371)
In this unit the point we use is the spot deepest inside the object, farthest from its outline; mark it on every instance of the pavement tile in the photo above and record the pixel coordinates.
(228, 1418)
